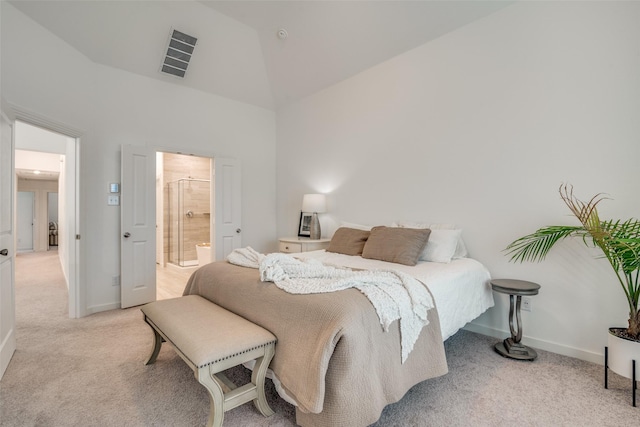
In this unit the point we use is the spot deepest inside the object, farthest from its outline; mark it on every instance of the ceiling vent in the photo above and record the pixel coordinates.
(179, 51)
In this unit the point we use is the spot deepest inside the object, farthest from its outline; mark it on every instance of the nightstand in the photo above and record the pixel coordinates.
(302, 244)
(516, 289)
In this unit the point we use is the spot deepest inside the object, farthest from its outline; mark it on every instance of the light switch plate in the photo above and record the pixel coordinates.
(113, 200)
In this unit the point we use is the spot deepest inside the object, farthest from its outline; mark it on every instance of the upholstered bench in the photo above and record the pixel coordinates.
(211, 339)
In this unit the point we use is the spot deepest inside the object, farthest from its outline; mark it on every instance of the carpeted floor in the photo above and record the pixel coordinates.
(90, 372)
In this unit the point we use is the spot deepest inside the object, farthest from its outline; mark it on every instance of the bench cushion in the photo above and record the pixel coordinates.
(204, 332)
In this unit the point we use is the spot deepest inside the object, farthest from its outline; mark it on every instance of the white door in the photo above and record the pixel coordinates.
(7, 271)
(69, 227)
(138, 226)
(24, 220)
(227, 206)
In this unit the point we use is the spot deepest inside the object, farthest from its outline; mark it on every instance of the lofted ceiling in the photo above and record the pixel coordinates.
(239, 54)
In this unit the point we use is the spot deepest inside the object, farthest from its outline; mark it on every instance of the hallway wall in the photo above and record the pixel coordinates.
(41, 217)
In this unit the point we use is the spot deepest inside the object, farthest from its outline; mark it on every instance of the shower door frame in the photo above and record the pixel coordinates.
(180, 213)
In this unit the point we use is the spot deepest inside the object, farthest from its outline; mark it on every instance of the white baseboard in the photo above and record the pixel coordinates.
(102, 307)
(541, 344)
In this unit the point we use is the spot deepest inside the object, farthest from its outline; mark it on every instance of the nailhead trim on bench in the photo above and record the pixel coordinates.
(238, 354)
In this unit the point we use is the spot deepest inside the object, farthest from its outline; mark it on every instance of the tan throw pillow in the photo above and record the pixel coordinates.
(399, 245)
(348, 241)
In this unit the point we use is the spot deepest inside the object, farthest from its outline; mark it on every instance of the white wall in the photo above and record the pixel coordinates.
(480, 127)
(32, 160)
(41, 73)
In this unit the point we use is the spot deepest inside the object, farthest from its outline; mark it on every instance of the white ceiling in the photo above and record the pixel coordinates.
(37, 165)
(238, 54)
(38, 149)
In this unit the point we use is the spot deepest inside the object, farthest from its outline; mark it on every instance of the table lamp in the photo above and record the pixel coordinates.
(315, 204)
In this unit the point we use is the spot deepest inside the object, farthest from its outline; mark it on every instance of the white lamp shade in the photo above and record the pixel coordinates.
(314, 203)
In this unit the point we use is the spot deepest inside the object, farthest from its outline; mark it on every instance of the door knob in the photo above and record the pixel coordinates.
(127, 235)
(4, 252)
(238, 230)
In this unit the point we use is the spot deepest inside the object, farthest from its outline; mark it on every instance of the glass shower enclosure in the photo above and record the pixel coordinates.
(189, 219)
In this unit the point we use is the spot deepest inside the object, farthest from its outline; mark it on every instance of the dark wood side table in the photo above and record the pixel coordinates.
(516, 289)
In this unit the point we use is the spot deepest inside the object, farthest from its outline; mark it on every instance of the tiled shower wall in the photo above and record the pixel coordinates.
(196, 197)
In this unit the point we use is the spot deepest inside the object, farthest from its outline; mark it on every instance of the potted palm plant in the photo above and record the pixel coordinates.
(620, 243)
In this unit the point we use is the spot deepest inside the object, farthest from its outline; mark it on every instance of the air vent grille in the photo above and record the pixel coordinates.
(179, 53)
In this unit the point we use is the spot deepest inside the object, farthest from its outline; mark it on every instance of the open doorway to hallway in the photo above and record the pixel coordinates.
(44, 216)
(37, 205)
(184, 219)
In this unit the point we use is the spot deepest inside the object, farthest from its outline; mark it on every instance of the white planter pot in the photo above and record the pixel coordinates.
(621, 353)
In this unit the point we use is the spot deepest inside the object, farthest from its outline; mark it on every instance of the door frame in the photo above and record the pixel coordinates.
(77, 291)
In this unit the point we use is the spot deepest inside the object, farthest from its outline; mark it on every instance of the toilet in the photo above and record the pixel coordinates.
(203, 252)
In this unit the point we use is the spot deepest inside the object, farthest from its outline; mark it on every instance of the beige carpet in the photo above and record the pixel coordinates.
(90, 372)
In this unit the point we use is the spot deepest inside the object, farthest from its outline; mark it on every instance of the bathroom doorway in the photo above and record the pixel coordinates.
(184, 219)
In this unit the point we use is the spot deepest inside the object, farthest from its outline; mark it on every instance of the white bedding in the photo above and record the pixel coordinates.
(461, 288)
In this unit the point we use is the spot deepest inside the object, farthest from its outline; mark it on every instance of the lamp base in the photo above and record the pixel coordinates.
(314, 227)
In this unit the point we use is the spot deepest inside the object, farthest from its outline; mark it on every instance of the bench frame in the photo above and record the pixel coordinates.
(224, 395)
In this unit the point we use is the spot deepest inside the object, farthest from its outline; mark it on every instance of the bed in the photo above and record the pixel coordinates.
(331, 346)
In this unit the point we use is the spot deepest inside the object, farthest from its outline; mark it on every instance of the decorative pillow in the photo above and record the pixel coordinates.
(461, 248)
(348, 241)
(399, 245)
(441, 246)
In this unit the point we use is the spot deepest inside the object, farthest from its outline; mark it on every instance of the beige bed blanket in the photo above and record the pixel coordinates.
(332, 355)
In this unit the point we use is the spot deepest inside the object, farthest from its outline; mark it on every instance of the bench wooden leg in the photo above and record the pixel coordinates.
(157, 343)
(258, 377)
(216, 396)
(224, 395)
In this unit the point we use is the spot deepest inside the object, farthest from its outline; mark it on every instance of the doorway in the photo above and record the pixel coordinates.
(46, 167)
(140, 223)
(184, 219)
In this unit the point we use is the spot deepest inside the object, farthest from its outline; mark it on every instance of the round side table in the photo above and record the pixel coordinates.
(516, 289)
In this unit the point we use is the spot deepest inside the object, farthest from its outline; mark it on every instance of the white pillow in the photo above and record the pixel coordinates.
(441, 245)
(409, 224)
(461, 248)
(356, 226)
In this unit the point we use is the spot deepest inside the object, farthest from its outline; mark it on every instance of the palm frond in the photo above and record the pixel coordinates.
(620, 242)
(586, 213)
(535, 246)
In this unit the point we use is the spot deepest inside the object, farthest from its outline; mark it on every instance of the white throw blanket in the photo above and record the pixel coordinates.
(245, 257)
(394, 295)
